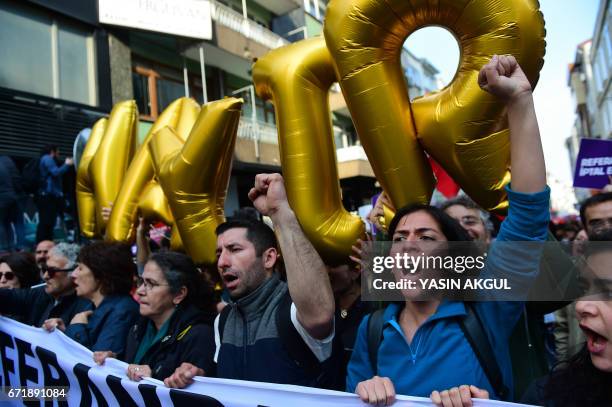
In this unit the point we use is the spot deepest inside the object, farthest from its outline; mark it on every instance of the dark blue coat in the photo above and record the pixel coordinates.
(33, 306)
(108, 326)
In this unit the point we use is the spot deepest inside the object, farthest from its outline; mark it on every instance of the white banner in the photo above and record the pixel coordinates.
(188, 18)
(34, 359)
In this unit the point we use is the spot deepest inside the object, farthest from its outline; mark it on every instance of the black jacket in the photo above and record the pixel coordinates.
(190, 338)
(33, 305)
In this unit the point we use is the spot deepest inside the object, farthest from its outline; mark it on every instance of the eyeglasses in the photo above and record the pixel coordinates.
(467, 221)
(52, 270)
(148, 284)
(9, 275)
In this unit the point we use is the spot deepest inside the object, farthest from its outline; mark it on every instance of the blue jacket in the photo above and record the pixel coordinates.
(440, 357)
(51, 176)
(108, 326)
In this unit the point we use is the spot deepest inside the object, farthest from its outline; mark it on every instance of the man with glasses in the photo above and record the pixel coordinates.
(56, 298)
(473, 219)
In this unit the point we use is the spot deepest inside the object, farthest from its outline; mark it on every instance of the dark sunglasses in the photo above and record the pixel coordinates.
(9, 275)
(52, 270)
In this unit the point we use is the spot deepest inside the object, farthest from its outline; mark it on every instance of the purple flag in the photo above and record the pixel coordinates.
(593, 164)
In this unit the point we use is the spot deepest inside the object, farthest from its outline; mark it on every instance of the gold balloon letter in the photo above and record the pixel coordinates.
(297, 78)
(462, 127)
(140, 190)
(84, 186)
(107, 165)
(194, 176)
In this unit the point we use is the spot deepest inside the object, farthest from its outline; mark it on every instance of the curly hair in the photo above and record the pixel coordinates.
(25, 268)
(112, 265)
(68, 250)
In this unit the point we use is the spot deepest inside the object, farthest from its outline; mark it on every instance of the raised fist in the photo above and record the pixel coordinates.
(269, 195)
(504, 78)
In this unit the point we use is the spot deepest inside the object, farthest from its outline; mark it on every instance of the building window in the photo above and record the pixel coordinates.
(145, 92)
(608, 110)
(58, 61)
(603, 122)
(264, 110)
(606, 46)
(157, 86)
(599, 72)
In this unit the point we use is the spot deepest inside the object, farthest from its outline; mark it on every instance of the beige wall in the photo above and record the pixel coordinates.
(245, 152)
(237, 43)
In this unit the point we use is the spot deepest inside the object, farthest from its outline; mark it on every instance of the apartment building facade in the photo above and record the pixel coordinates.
(68, 62)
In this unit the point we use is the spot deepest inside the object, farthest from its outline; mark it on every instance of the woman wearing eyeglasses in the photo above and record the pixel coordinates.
(18, 270)
(175, 327)
(104, 276)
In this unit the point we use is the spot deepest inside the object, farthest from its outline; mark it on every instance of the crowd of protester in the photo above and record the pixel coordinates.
(272, 311)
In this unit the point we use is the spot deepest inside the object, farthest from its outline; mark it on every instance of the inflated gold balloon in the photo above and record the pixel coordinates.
(85, 198)
(153, 206)
(109, 164)
(140, 190)
(462, 127)
(297, 79)
(195, 175)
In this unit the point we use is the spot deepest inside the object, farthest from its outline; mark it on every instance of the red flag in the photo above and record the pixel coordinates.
(446, 185)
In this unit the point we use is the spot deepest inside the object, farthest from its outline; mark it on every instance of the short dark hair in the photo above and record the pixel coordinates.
(24, 266)
(111, 264)
(592, 201)
(49, 148)
(258, 233)
(451, 229)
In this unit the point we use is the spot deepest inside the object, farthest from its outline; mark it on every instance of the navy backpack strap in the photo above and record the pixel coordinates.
(474, 331)
(375, 331)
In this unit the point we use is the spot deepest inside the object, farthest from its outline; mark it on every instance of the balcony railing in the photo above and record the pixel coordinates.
(266, 133)
(231, 19)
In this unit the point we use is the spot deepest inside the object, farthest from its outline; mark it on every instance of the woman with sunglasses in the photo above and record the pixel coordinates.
(175, 327)
(104, 276)
(18, 270)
